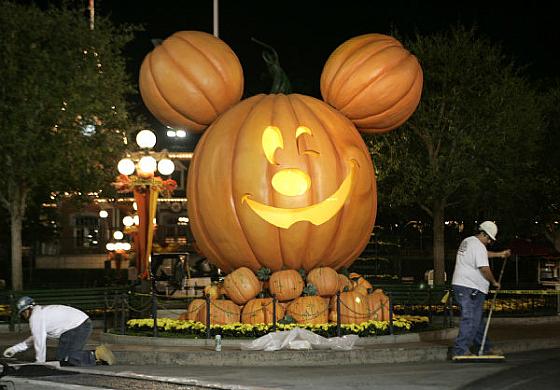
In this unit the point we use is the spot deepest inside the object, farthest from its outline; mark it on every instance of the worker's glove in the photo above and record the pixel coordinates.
(9, 352)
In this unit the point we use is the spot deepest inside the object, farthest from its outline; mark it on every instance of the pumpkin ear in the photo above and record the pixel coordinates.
(189, 79)
(374, 81)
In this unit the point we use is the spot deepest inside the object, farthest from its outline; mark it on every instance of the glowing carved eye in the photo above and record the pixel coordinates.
(301, 130)
(272, 140)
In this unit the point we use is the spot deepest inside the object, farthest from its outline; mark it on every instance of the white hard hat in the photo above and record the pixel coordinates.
(489, 228)
(24, 303)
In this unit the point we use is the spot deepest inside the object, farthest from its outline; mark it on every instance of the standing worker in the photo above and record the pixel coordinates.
(70, 326)
(471, 280)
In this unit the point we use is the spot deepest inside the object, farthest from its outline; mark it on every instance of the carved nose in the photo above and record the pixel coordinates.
(291, 182)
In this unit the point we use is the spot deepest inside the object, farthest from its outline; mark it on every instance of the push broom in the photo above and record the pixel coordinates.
(481, 357)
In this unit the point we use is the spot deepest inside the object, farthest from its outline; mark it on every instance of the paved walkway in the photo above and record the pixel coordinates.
(148, 357)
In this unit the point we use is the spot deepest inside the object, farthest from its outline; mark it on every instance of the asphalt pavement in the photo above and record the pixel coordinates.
(194, 364)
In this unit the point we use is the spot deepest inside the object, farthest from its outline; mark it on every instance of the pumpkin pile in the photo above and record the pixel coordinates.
(247, 297)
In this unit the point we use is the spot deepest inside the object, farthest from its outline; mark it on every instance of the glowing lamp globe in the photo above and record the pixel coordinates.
(147, 164)
(126, 166)
(146, 139)
(118, 235)
(128, 221)
(166, 166)
(110, 246)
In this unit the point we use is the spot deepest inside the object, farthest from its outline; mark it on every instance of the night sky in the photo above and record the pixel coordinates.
(304, 33)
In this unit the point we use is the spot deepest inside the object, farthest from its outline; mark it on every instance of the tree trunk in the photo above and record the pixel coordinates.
(438, 224)
(17, 274)
(17, 205)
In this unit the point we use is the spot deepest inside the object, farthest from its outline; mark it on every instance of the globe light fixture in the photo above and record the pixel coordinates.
(103, 214)
(138, 174)
(147, 164)
(165, 166)
(128, 221)
(126, 166)
(118, 235)
(146, 139)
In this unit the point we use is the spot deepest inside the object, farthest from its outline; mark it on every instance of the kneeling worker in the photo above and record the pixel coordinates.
(70, 326)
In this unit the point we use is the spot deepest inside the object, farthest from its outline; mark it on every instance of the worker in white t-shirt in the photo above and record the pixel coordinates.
(471, 280)
(72, 328)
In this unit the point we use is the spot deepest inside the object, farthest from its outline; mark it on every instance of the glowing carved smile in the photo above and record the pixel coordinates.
(316, 214)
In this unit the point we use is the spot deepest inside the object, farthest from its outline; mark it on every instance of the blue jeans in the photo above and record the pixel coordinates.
(471, 327)
(70, 346)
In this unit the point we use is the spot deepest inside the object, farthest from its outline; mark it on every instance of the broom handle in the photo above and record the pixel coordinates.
(481, 350)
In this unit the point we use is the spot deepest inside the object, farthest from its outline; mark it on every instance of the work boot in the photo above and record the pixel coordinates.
(494, 351)
(455, 357)
(104, 355)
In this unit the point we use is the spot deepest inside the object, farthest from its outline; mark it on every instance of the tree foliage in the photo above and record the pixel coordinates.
(63, 105)
(470, 147)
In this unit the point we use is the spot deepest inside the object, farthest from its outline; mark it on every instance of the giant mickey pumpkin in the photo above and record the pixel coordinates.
(286, 181)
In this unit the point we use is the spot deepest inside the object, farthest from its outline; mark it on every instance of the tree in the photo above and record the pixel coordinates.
(63, 113)
(547, 194)
(471, 140)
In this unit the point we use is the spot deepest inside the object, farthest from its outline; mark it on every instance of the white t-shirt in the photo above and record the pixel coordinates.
(472, 255)
(49, 321)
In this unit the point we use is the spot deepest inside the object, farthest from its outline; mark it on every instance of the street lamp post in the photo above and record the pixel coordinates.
(138, 175)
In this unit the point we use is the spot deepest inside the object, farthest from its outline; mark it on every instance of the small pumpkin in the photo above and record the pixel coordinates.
(222, 312)
(214, 290)
(309, 309)
(241, 285)
(194, 309)
(286, 285)
(360, 284)
(378, 306)
(353, 307)
(325, 279)
(374, 81)
(344, 284)
(260, 311)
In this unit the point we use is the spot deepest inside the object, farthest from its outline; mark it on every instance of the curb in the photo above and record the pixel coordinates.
(116, 339)
(134, 350)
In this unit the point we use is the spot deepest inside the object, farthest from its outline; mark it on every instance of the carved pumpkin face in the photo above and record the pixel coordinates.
(281, 181)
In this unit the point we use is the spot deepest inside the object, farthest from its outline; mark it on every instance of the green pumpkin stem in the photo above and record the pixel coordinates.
(263, 274)
(310, 290)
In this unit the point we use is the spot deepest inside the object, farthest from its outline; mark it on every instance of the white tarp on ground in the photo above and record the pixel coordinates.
(299, 339)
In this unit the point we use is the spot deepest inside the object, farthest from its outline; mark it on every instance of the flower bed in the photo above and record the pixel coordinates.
(168, 327)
